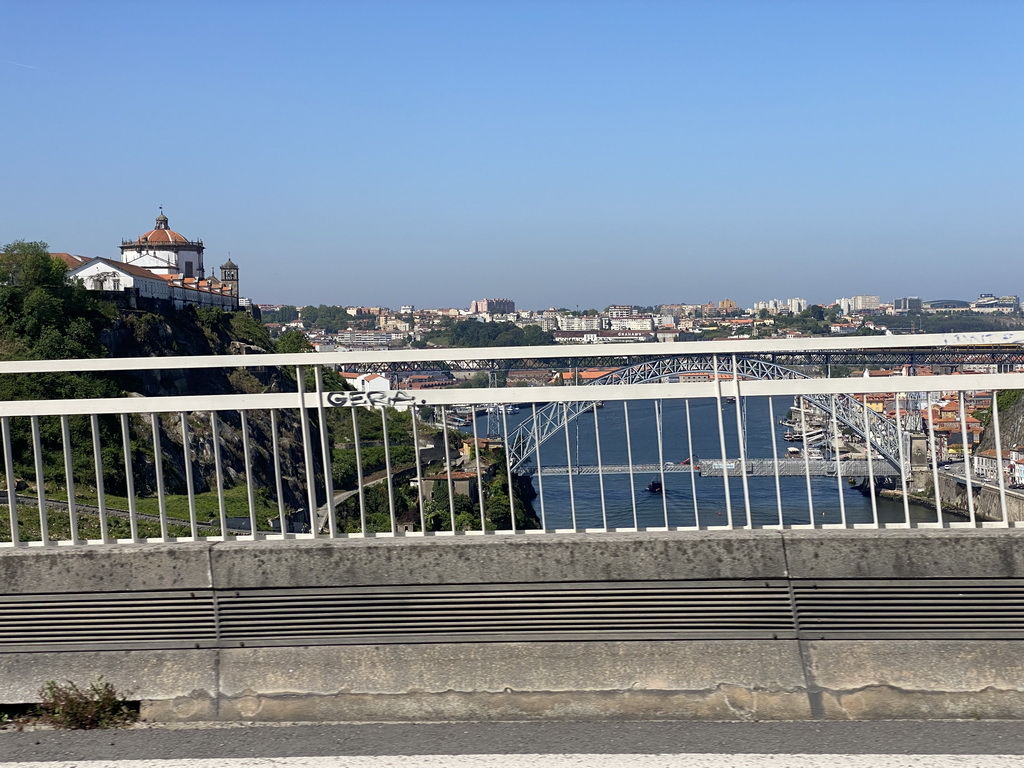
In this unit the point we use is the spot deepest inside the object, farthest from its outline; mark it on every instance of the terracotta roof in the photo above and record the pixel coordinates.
(457, 474)
(166, 236)
(131, 269)
(71, 261)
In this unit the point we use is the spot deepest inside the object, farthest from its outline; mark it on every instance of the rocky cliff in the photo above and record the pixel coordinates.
(206, 332)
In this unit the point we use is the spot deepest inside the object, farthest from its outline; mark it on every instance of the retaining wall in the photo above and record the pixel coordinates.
(987, 502)
(722, 625)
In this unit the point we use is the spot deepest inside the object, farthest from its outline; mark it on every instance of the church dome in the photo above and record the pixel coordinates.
(163, 234)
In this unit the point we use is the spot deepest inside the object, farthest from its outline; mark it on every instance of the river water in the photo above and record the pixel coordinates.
(628, 504)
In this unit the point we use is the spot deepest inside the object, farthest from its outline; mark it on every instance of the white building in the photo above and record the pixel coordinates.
(637, 323)
(160, 265)
(139, 283)
(581, 323)
(863, 303)
(774, 306)
(165, 252)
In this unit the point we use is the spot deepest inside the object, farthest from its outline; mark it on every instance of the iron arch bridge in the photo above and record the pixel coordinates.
(881, 432)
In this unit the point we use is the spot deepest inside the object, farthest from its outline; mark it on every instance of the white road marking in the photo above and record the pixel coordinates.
(706, 760)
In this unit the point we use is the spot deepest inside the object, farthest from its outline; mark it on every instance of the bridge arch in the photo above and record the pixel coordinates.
(881, 433)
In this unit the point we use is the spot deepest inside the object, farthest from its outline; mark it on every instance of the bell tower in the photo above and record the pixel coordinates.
(229, 276)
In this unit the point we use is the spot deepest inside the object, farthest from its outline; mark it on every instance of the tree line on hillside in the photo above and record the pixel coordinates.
(471, 333)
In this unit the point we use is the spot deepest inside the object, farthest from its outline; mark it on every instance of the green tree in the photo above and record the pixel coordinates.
(293, 341)
(38, 305)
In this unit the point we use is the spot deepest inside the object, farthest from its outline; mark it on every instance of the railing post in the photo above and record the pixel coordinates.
(307, 448)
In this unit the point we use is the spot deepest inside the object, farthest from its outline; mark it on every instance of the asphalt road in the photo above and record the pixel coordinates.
(255, 745)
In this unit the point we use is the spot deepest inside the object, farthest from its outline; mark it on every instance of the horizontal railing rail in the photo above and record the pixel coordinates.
(650, 453)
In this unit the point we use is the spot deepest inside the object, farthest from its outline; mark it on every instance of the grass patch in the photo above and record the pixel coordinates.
(101, 705)
(236, 504)
(59, 526)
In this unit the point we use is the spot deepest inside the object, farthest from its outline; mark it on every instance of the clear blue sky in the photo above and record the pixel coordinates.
(557, 153)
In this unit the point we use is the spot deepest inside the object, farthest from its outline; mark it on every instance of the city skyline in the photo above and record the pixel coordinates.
(398, 152)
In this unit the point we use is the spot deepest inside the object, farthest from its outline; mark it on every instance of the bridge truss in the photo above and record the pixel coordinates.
(877, 430)
(949, 357)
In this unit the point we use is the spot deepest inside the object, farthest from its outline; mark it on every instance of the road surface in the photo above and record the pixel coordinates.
(545, 744)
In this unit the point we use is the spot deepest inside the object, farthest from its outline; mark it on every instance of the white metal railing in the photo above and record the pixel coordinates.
(628, 456)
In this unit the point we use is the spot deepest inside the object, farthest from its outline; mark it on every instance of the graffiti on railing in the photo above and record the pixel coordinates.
(984, 338)
(387, 399)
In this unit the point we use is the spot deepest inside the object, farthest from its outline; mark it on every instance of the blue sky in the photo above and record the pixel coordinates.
(557, 153)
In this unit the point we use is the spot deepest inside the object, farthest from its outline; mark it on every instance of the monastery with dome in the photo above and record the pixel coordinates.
(161, 268)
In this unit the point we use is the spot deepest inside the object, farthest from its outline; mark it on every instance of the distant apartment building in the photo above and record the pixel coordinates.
(357, 338)
(679, 310)
(865, 303)
(727, 305)
(907, 304)
(544, 323)
(394, 324)
(637, 323)
(602, 337)
(584, 323)
(775, 306)
(619, 310)
(371, 311)
(492, 307)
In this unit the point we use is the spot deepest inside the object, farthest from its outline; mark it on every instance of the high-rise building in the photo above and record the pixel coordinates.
(907, 304)
(864, 303)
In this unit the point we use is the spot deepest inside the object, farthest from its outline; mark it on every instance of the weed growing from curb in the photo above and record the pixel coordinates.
(65, 705)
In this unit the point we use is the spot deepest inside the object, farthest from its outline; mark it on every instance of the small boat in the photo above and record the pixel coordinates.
(810, 436)
(654, 486)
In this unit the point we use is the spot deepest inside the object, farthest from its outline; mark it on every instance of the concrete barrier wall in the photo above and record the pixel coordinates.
(963, 664)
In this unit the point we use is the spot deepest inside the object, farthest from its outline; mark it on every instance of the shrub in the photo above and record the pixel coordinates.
(98, 706)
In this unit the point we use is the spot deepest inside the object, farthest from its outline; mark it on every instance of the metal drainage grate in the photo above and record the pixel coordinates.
(952, 608)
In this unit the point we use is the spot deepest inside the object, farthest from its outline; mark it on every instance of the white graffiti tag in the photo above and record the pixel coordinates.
(373, 399)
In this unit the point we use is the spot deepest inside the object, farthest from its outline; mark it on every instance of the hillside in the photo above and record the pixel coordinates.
(42, 316)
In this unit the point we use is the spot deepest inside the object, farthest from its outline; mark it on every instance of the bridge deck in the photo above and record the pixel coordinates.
(714, 468)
